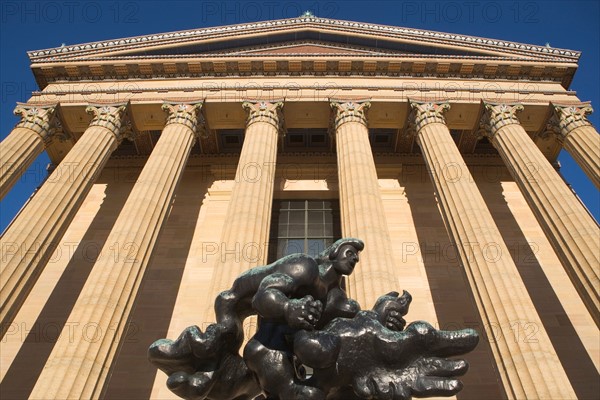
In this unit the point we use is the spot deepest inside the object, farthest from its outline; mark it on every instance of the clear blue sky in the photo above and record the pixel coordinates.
(32, 25)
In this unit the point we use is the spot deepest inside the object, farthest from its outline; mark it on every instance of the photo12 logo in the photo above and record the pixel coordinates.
(69, 12)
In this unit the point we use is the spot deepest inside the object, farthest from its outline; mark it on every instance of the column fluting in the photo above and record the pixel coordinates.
(24, 143)
(571, 230)
(361, 206)
(578, 137)
(30, 240)
(244, 241)
(528, 368)
(78, 367)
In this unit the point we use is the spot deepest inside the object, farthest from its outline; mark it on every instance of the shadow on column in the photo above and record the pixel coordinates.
(577, 363)
(450, 290)
(132, 375)
(39, 342)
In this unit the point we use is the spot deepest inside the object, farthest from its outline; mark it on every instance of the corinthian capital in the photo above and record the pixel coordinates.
(496, 116)
(189, 115)
(424, 113)
(264, 111)
(568, 117)
(349, 111)
(113, 118)
(43, 120)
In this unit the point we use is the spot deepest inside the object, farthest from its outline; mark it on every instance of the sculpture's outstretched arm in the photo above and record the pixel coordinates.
(338, 305)
(271, 301)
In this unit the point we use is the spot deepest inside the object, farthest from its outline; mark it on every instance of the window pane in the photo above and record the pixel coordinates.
(297, 204)
(315, 205)
(296, 138)
(296, 217)
(282, 224)
(303, 226)
(328, 230)
(296, 230)
(315, 246)
(315, 230)
(283, 217)
(294, 246)
(315, 217)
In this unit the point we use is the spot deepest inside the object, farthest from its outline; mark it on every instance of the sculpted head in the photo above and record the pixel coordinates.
(343, 254)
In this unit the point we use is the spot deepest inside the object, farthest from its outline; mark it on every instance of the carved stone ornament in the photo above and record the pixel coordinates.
(569, 117)
(113, 118)
(264, 111)
(349, 111)
(424, 113)
(312, 341)
(43, 120)
(60, 133)
(496, 116)
(189, 115)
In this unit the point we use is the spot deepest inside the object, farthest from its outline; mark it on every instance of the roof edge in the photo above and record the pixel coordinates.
(199, 33)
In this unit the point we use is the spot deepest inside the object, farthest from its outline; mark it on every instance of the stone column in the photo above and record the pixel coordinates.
(245, 235)
(78, 366)
(578, 137)
(26, 141)
(570, 229)
(361, 205)
(31, 239)
(529, 368)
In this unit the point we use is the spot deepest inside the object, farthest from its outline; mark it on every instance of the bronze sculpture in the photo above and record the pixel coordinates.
(306, 321)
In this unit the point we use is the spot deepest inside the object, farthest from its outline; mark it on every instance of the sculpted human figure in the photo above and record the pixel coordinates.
(294, 297)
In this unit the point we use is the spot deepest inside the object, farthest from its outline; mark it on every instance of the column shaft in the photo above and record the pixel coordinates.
(361, 206)
(18, 151)
(22, 146)
(528, 368)
(78, 366)
(583, 144)
(570, 229)
(244, 242)
(579, 137)
(31, 239)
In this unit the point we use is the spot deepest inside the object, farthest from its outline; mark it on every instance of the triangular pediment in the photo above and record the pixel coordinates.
(304, 45)
(324, 34)
(305, 48)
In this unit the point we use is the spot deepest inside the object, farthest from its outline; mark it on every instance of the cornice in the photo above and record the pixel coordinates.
(424, 36)
(305, 66)
(490, 58)
(251, 56)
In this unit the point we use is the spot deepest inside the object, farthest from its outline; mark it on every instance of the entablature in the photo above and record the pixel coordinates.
(303, 46)
(292, 65)
(308, 126)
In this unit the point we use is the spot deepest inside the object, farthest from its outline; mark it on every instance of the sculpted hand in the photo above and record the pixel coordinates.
(303, 313)
(390, 309)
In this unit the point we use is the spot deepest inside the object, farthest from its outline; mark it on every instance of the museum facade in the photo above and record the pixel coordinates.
(180, 160)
